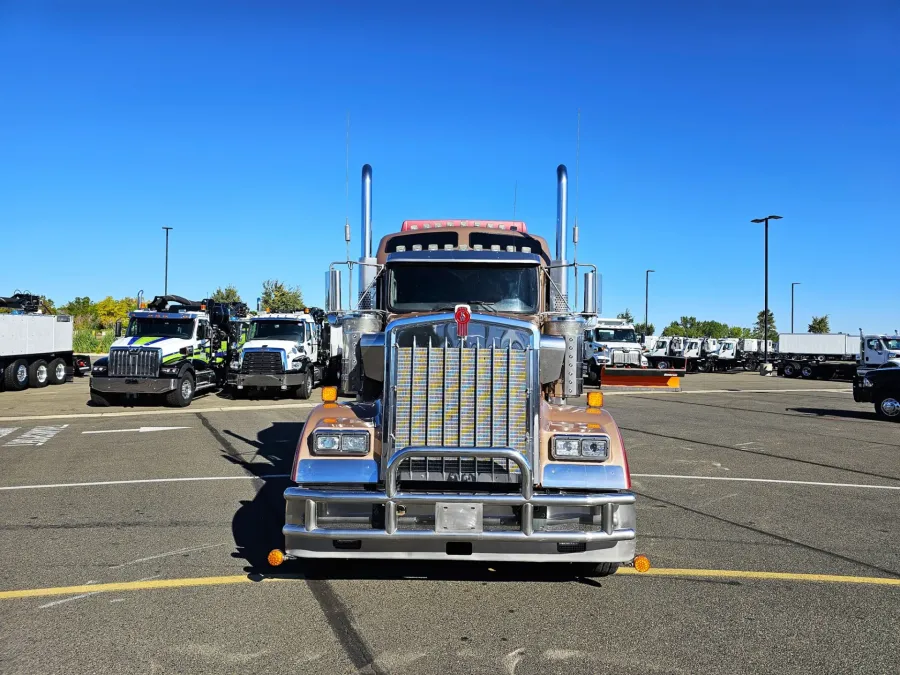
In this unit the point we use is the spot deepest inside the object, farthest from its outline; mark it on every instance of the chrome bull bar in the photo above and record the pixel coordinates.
(390, 498)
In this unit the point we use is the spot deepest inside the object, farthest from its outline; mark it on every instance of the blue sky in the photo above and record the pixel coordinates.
(228, 123)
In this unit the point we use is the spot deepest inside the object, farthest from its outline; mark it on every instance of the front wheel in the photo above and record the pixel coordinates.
(304, 391)
(103, 400)
(888, 408)
(663, 365)
(183, 394)
(594, 569)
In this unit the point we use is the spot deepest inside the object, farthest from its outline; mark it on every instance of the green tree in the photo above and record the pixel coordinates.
(78, 307)
(625, 315)
(109, 310)
(819, 324)
(47, 305)
(712, 329)
(759, 328)
(277, 297)
(738, 332)
(645, 329)
(227, 294)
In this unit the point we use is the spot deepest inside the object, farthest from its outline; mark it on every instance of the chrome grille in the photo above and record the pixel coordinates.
(621, 357)
(263, 363)
(134, 362)
(461, 396)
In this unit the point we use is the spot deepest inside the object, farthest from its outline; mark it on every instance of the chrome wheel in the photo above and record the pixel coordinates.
(890, 407)
(21, 374)
(186, 389)
(41, 374)
(60, 371)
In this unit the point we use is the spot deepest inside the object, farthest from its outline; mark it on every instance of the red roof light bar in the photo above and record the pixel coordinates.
(512, 225)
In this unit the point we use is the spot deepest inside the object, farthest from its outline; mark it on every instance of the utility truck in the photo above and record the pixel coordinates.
(283, 351)
(175, 348)
(466, 439)
(611, 343)
(35, 348)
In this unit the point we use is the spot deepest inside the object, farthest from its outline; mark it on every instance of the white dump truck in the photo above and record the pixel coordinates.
(36, 347)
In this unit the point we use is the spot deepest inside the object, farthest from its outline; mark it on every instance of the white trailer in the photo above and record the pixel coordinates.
(820, 347)
(829, 355)
(35, 348)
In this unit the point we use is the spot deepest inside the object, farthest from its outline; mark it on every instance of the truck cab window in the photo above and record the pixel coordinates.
(277, 330)
(420, 287)
(159, 327)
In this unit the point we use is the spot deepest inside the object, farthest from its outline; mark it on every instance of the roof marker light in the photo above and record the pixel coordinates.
(401, 249)
(477, 247)
(510, 249)
(526, 249)
(448, 247)
(511, 225)
(432, 247)
(417, 247)
(463, 247)
(495, 247)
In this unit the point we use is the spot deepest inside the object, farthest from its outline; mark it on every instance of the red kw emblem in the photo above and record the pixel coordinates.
(462, 316)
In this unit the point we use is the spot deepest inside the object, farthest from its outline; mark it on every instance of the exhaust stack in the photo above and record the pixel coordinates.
(366, 268)
(333, 292)
(590, 292)
(560, 274)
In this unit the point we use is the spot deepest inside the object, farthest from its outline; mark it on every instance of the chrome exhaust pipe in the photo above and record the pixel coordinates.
(559, 275)
(366, 268)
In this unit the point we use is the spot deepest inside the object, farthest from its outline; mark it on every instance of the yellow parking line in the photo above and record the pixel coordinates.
(749, 574)
(243, 579)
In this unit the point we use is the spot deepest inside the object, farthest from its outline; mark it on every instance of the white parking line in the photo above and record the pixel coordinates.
(766, 480)
(36, 436)
(6, 431)
(173, 411)
(139, 481)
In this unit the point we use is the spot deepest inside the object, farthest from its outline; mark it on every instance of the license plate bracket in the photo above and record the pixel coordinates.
(458, 517)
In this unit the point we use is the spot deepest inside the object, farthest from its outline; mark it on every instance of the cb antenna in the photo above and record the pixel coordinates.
(347, 192)
(575, 228)
(515, 198)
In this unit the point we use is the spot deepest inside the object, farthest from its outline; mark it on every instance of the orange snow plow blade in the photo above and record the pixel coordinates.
(643, 378)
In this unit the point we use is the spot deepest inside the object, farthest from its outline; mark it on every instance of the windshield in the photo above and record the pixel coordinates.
(146, 327)
(277, 330)
(892, 343)
(615, 335)
(487, 288)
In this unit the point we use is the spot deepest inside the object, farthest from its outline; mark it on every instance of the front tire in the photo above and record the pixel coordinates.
(663, 365)
(183, 394)
(57, 370)
(888, 408)
(304, 391)
(594, 569)
(15, 377)
(38, 374)
(103, 400)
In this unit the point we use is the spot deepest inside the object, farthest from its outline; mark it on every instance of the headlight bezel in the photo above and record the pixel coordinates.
(340, 448)
(170, 370)
(579, 440)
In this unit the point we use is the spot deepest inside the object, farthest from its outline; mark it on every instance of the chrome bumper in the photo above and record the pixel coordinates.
(292, 379)
(460, 518)
(133, 385)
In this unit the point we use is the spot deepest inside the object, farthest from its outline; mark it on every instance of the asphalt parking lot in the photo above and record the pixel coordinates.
(134, 540)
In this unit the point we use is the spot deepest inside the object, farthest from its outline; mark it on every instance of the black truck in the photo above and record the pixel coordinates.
(880, 386)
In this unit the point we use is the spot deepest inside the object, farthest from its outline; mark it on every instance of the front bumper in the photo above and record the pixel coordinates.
(290, 379)
(133, 385)
(862, 394)
(528, 526)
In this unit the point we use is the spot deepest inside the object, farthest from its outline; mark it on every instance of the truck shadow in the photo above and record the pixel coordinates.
(831, 412)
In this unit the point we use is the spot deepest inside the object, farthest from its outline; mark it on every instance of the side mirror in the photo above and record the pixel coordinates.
(642, 338)
(119, 328)
(202, 332)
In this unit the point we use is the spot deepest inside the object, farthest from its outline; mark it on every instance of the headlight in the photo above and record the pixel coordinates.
(98, 369)
(590, 448)
(866, 382)
(170, 370)
(235, 365)
(295, 364)
(351, 443)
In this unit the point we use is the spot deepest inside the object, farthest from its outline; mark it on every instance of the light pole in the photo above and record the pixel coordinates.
(166, 282)
(646, 300)
(796, 283)
(766, 309)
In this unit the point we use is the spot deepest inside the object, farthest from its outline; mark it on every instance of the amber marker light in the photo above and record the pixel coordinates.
(595, 399)
(329, 394)
(641, 563)
(276, 557)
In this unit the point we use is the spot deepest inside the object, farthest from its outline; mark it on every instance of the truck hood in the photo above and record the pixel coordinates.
(268, 343)
(627, 346)
(168, 345)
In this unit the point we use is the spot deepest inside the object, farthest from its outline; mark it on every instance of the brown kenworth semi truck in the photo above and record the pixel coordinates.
(460, 442)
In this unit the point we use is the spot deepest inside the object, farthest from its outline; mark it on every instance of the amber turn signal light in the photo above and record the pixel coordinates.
(595, 399)
(329, 394)
(641, 563)
(275, 557)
